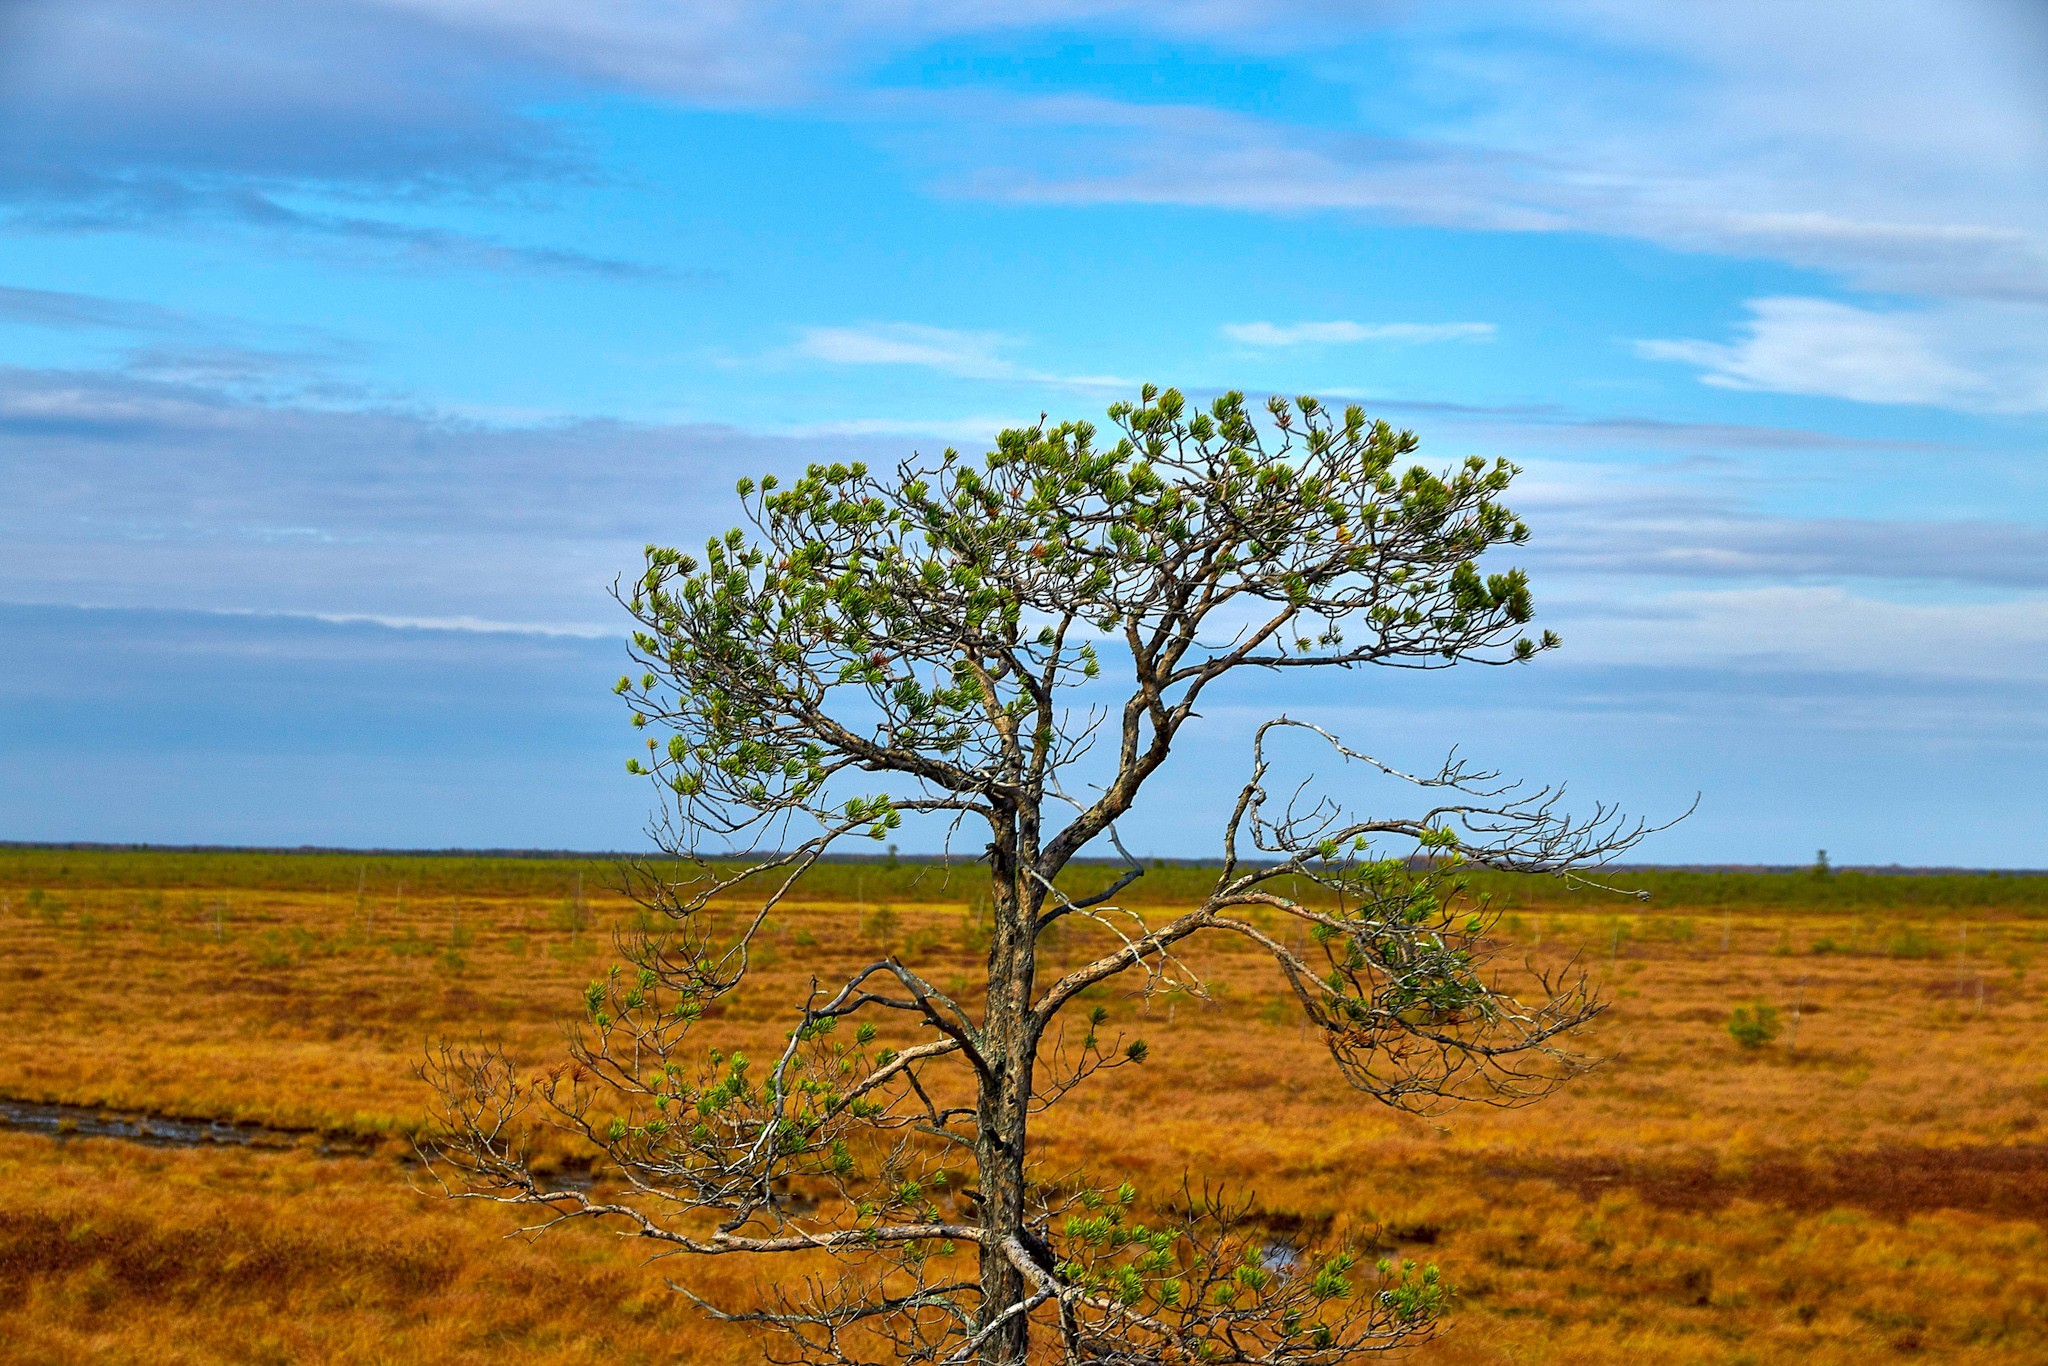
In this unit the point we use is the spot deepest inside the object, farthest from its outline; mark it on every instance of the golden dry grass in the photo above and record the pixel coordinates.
(1877, 1193)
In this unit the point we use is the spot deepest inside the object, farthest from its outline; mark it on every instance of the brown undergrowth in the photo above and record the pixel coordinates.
(1871, 1184)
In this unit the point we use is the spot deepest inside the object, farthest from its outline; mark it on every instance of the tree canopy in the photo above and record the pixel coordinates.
(948, 641)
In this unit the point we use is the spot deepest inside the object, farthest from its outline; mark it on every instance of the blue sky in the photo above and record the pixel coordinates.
(349, 349)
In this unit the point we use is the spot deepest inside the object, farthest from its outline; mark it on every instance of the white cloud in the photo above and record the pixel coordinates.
(780, 51)
(1627, 530)
(1902, 143)
(1984, 237)
(966, 431)
(1977, 356)
(1343, 333)
(464, 624)
(1755, 129)
(1823, 628)
(126, 492)
(132, 493)
(969, 355)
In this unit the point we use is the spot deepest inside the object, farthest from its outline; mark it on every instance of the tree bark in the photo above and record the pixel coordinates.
(1003, 1105)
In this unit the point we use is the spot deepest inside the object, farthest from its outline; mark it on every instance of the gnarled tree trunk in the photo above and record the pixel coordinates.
(1002, 1111)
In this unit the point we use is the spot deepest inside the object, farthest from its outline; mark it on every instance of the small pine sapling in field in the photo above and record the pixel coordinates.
(1753, 1026)
(880, 926)
(946, 643)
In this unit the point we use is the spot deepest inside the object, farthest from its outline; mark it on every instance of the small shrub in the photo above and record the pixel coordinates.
(570, 916)
(1753, 1026)
(408, 945)
(306, 944)
(880, 925)
(975, 926)
(1912, 942)
(1670, 929)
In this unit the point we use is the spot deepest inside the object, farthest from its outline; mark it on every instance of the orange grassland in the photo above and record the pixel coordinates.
(1874, 1189)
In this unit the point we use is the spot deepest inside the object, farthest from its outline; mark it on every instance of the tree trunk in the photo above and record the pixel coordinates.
(1003, 1109)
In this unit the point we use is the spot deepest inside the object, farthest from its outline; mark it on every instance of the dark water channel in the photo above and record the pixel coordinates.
(63, 1122)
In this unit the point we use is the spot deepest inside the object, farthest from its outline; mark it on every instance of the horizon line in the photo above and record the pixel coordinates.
(943, 860)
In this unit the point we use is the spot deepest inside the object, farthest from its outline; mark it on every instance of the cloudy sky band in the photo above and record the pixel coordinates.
(442, 345)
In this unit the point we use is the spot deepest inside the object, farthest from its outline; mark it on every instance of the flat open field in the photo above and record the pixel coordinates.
(1872, 1187)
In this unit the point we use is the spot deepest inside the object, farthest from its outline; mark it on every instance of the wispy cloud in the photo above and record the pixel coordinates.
(1637, 433)
(109, 101)
(124, 491)
(440, 247)
(1637, 536)
(966, 354)
(1973, 357)
(121, 490)
(1763, 130)
(1547, 426)
(61, 308)
(128, 206)
(461, 624)
(971, 355)
(1063, 150)
(966, 431)
(1820, 627)
(1342, 333)
(227, 115)
(218, 354)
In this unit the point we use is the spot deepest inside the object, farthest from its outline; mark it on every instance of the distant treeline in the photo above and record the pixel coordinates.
(911, 880)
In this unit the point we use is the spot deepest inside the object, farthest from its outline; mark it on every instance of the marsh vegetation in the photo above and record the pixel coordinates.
(1872, 1188)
